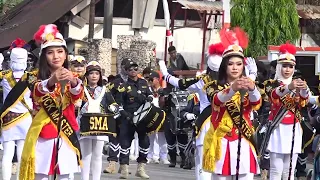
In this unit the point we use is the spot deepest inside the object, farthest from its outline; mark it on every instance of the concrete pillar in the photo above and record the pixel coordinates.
(226, 13)
(140, 51)
(100, 50)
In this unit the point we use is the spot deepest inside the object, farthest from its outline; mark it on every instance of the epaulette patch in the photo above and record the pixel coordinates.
(121, 88)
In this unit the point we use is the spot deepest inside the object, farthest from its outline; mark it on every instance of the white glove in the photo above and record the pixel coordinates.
(116, 116)
(113, 108)
(163, 67)
(190, 116)
(252, 68)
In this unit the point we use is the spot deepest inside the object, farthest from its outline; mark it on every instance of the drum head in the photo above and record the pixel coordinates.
(180, 99)
(141, 112)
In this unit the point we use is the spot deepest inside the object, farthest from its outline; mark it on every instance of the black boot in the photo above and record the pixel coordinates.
(173, 160)
(183, 160)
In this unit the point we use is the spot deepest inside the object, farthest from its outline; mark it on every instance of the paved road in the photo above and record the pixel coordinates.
(155, 171)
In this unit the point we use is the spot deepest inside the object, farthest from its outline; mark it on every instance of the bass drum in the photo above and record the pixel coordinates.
(180, 101)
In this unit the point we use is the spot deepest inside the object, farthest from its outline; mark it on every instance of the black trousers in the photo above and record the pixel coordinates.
(302, 164)
(175, 139)
(265, 161)
(127, 130)
(114, 145)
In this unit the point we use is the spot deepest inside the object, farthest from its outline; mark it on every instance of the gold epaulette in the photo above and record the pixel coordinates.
(212, 84)
(4, 73)
(206, 78)
(31, 75)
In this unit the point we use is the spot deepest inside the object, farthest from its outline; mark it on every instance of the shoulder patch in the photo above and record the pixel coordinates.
(121, 88)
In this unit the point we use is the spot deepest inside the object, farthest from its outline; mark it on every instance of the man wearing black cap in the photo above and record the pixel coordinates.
(176, 60)
(114, 145)
(132, 94)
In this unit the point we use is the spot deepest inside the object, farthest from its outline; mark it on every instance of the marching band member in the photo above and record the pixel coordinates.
(158, 144)
(78, 65)
(189, 115)
(132, 94)
(203, 122)
(287, 96)
(92, 146)
(114, 146)
(221, 150)
(52, 133)
(16, 111)
(197, 85)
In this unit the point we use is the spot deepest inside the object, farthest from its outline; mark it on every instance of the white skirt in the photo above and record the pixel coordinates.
(17, 132)
(244, 158)
(67, 158)
(281, 139)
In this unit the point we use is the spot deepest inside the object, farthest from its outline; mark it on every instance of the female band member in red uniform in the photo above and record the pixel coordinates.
(40, 150)
(221, 144)
(287, 96)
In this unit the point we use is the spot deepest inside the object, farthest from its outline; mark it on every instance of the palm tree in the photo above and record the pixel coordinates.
(267, 22)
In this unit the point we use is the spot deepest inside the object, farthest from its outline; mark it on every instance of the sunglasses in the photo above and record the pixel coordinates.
(150, 79)
(133, 69)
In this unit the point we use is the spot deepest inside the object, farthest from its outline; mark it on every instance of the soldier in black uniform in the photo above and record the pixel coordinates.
(114, 145)
(132, 94)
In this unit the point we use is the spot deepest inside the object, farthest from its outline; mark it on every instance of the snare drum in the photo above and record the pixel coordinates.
(97, 124)
(148, 118)
(180, 99)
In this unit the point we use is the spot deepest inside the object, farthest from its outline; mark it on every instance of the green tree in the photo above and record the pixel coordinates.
(6, 5)
(267, 22)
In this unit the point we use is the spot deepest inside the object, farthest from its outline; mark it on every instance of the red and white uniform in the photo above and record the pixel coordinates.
(280, 140)
(45, 147)
(227, 145)
(280, 143)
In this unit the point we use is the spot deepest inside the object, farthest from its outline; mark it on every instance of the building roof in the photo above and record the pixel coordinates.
(308, 11)
(208, 6)
(24, 19)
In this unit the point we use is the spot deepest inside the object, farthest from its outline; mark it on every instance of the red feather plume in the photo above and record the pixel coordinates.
(50, 28)
(227, 37)
(235, 36)
(37, 36)
(288, 48)
(17, 43)
(242, 37)
(217, 48)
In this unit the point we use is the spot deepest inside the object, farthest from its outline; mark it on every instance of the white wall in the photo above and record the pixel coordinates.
(188, 41)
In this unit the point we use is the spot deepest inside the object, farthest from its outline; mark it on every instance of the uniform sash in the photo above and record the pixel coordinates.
(68, 133)
(12, 82)
(14, 97)
(235, 115)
